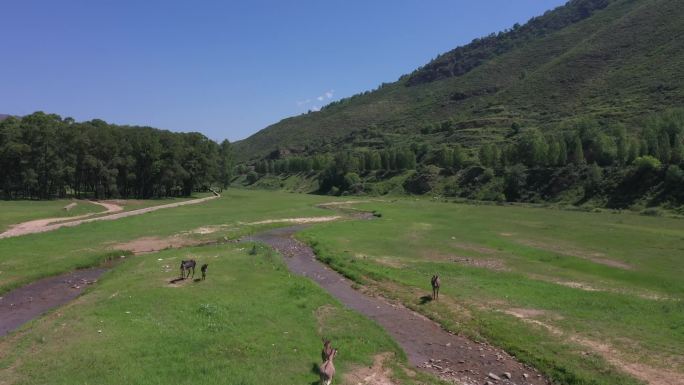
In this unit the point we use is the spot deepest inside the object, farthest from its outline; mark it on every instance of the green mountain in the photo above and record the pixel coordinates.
(613, 60)
(599, 69)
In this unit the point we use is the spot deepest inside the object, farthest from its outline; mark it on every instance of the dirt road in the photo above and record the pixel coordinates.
(43, 225)
(426, 344)
(32, 226)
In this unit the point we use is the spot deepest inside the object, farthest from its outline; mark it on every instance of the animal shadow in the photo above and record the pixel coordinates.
(176, 280)
(316, 369)
(196, 279)
(425, 299)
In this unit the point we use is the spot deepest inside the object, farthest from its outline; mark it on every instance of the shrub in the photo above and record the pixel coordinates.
(646, 163)
(252, 177)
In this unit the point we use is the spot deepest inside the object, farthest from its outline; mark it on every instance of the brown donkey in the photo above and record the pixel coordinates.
(435, 286)
(328, 369)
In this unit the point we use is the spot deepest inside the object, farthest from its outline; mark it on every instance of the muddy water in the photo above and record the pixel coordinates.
(28, 302)
(426, 344)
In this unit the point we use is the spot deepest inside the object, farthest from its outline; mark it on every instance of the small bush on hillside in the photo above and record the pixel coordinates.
(646, 163)
(252, 177)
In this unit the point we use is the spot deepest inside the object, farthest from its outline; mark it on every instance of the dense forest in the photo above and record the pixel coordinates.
(576, 162)
(45, 156)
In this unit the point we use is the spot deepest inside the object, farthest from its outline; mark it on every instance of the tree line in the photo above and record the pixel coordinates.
(46, 156)
(595, 155)
(580, 142)
(391, 159)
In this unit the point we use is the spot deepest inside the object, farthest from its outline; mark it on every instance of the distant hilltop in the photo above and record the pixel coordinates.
(4, 116)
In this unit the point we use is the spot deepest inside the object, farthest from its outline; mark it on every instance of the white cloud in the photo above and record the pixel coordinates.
(321, 98)
(326, 95)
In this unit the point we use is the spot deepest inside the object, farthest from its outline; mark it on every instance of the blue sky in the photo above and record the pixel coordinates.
(224, 68)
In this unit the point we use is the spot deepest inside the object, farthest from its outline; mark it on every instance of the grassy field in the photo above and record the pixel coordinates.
(14, 212)
(579, 295)
(250, 322)
(561, 289)
(27, 258)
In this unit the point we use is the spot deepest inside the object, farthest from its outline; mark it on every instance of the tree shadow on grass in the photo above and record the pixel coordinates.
(425, 299)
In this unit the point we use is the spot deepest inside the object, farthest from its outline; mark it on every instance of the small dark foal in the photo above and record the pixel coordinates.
(435, 286)
(204, 271)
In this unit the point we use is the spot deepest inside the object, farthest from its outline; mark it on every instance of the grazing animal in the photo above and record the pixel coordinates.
(204, 271)
(328, 369)
(435, 286)
(186, 266)
(327, 350)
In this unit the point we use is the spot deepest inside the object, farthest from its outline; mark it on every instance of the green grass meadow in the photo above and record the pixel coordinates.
(536, 282)
(27, 258)
(250, 322)
(605, 277)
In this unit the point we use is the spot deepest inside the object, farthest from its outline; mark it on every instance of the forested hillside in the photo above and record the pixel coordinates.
(45, 156)
(567, 108)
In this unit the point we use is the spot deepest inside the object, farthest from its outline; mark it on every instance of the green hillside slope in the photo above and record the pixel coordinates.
(600, 66)
(621, 60)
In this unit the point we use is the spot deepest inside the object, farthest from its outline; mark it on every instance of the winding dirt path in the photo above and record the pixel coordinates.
(29, 227)
(44, 225)
(426, 344)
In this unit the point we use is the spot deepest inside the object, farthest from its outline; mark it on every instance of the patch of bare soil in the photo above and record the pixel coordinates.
(473, 247)
(389, 261)
(575, 252)
(323, 314)
(343, 203)
(302, 220)
(586, 287)
(374, 375)
(576, 285)
(153, 244)
(484, 263)
(528, 313)
(28, 302)
(209, 229)
(426, 344)
(43, 225)
(110, 207)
